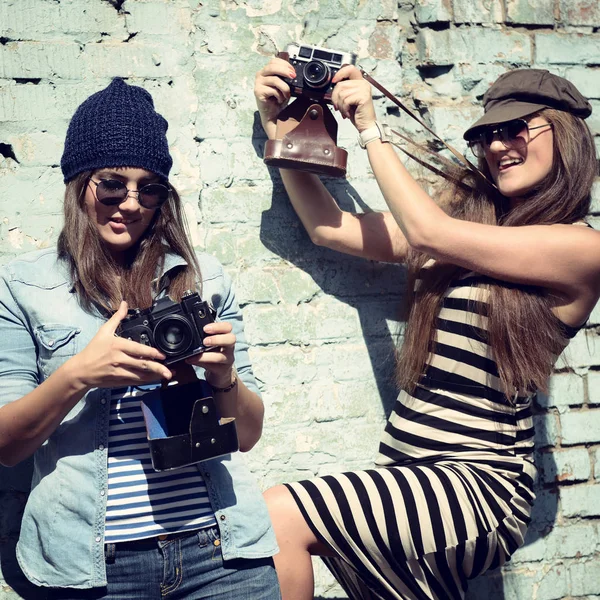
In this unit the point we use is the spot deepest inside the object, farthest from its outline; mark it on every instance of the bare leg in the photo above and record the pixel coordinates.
(296, 542)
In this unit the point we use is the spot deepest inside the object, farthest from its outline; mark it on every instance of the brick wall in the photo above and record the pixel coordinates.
(323, 326)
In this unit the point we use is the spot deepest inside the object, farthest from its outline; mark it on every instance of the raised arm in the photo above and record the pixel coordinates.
(373, 235)
(562, 258)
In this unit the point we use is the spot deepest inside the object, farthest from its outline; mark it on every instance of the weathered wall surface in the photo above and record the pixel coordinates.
(323, 326)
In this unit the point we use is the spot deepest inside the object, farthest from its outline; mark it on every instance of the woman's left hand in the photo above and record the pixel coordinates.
(218, 363)
(352, 97)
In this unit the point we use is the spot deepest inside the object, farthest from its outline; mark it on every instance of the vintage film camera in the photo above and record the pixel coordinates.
(182, 423)
(306, 134)
(177, 330)
(315, 68)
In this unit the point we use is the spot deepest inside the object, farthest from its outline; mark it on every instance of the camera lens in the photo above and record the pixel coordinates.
(316, 74)
(173, 335)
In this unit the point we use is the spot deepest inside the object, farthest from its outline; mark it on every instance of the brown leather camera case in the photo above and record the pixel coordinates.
(306, 139)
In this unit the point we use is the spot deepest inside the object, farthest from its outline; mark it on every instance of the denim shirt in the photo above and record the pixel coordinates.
(42, 325)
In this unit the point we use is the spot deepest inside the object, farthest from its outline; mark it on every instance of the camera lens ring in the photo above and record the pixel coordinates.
(316, 74)
(173, 335)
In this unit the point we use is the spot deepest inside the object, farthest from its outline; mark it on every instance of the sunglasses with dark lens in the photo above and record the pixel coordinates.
(512, 134)
(112, 192)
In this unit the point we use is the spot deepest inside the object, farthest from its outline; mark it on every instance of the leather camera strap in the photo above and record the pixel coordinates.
(463, 159)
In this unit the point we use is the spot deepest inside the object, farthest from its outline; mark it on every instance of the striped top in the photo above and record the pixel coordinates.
(458, 411)
(142, 502)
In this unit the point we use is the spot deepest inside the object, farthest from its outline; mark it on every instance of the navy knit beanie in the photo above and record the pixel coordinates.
(116, 127)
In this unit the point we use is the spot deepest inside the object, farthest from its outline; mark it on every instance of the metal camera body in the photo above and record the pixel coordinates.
(176, 329)
(315, 68)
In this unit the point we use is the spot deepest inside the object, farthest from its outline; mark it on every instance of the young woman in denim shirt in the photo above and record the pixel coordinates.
(503, 276)
(100, 522)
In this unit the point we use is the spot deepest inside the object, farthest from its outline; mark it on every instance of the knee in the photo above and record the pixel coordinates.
(279, 502)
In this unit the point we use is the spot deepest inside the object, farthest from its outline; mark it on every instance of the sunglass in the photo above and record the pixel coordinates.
(512, 134)
(112, 192)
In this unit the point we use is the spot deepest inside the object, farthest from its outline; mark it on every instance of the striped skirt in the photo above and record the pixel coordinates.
(416, 531)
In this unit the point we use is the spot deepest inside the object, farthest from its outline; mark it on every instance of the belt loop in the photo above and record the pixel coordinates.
(110, 551)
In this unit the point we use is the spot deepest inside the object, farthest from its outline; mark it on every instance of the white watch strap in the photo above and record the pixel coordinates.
(375, 132)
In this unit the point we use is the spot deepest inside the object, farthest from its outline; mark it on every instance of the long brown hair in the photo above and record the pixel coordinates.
(102, 282)
(524, 334)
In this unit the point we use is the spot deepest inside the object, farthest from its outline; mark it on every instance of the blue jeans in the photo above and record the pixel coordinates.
(186, 568)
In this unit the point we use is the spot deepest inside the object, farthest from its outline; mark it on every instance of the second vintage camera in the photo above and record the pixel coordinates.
(315, 68)
(176, 329)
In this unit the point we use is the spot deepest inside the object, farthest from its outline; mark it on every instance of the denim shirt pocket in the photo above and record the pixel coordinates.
(56, 343)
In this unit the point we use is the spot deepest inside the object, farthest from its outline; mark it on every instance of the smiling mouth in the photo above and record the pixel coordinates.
(123, 221)
(506, 164)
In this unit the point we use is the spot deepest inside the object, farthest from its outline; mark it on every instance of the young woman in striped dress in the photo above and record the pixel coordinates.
(100, 522)
(502, 277)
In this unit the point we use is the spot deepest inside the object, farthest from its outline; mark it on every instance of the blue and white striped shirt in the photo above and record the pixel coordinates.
(142, 502)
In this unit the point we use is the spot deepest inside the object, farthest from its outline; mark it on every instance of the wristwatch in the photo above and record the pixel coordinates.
(379, 131)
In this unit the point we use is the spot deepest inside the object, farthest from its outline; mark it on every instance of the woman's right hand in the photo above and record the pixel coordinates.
(111, 361)
(272, 93)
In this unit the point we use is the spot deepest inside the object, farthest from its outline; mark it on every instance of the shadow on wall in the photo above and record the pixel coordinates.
(14, 488)
(374, 289)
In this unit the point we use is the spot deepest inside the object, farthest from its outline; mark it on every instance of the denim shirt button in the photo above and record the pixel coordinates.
(222, 517)
(103, 401)
(51, 343)
(101, 447)
(102, 492)
(98, 538)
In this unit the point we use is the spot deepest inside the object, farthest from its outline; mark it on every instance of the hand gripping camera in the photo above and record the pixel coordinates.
(306, 136)
(315, 68)
(177, 330)
(182, 423)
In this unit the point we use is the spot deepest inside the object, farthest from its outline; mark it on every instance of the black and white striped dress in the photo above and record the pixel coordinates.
(451, 493)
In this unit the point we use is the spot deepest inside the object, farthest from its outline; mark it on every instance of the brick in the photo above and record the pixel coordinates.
(587, 81)
(533, 550)
(546, 430)
(569, 49)
(553, 583)
(525, 12)
(433, 11)
(545, 512)
(41, 60)
(581, 351)
(384, 41)
(294, 365)
(452, 122)
(566, 466)
(580, 12)
(565, 389)
(473, 45)
(245, 204)
(257, 286)
(323, 319)
(137, 60)
(585, 577)
(580, 427)
(32, 19)
(36, 148)
(580, 500)
(477, 11)
(593, 379)
(222, 38)
(157, 18)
